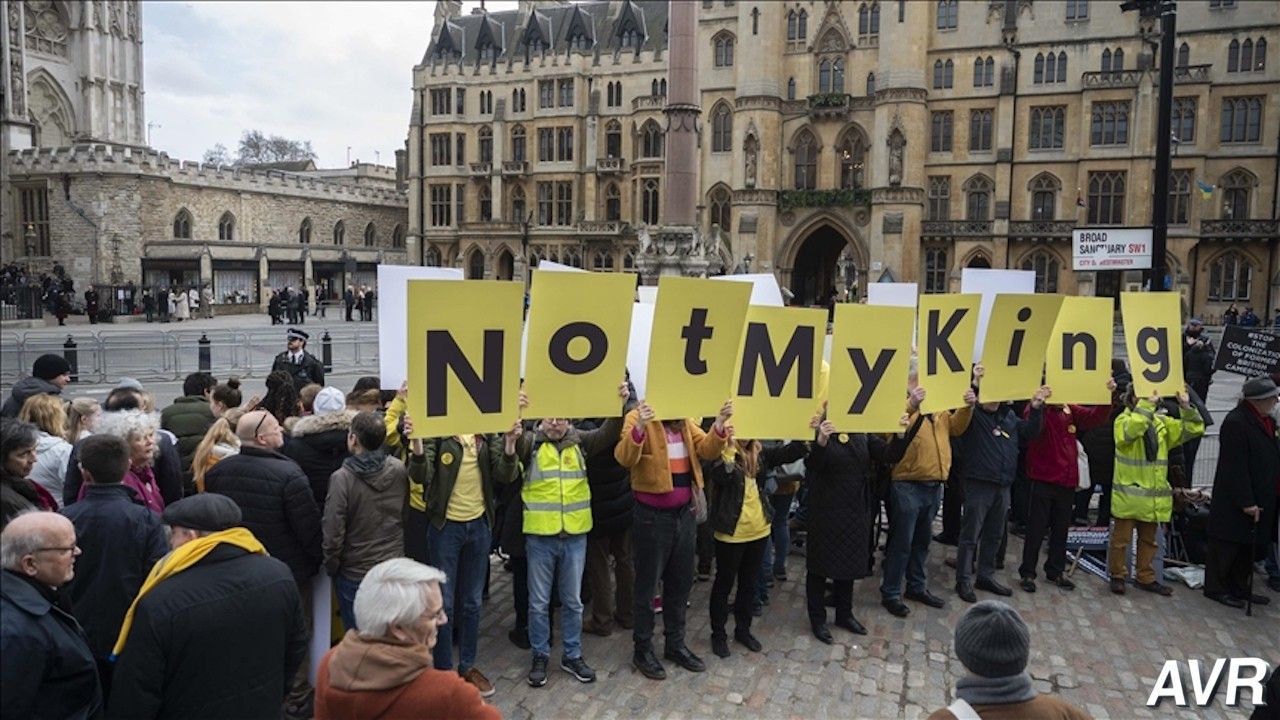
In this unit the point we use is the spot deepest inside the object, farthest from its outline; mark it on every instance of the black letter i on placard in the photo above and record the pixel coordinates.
(1015, 345)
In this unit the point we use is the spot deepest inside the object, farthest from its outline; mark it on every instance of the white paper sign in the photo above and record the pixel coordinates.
(638, 350)
(893, 294)
(764, 291)
(557, 267)
(1111, 249)
(393, 294)
(990, 283)
(647, 294)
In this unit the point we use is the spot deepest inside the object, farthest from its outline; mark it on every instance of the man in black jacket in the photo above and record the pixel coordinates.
(275, 499)
(220, 634)
(120, 539)
(301, 365)
(47, 669)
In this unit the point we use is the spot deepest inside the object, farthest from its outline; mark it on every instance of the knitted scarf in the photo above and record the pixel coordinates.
(180, 559)
(995, 691)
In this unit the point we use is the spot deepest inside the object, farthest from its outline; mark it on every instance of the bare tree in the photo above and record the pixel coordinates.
(218, 155)
(257, 147)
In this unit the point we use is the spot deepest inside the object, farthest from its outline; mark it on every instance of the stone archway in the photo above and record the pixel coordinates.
(506, 265)
(823, 256)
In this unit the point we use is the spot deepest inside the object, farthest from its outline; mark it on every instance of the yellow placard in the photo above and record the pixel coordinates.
(693, 349)
(1078, 359)
(464, 355)
(948, 327)
(777, 383)
(579, 325)
(1017, 335)
(1153, 336)
(870, 357)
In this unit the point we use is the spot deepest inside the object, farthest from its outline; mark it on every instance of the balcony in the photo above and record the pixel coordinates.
(515, 167)
(1239, 229)
(792, 199)
(1112, 78)
(1041, 229)
(491, 226)
(835, 105)
(1192, 74)
(956, 228)
(610, 165)
(648, 102)
(604, 227)
(481, 169)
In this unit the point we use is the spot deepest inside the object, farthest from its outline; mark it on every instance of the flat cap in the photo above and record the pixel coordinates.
(206, 512)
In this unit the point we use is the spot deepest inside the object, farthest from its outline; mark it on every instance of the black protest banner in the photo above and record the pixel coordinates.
(1248, 352)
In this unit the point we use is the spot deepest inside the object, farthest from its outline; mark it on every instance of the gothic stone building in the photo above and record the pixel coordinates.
(81, 189)
(849, 142)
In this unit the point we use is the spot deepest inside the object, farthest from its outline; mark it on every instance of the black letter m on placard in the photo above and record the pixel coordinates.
(758, 351)
(444, 355)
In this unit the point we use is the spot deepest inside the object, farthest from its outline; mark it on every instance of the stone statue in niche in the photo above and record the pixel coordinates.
(897, 144)
(751, 151)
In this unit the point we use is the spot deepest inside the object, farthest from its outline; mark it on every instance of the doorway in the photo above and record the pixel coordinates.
(817, 271)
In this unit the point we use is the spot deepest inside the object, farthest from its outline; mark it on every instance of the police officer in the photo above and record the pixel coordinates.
(301, 365)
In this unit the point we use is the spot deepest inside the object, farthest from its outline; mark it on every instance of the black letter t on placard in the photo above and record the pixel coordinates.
(694, 333)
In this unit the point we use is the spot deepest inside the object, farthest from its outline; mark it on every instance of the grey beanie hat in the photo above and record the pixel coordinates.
(992, 640)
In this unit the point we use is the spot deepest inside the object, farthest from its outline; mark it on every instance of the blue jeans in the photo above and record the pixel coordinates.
(912, 507)
(345, 588)
(545, 554)
(461, 551)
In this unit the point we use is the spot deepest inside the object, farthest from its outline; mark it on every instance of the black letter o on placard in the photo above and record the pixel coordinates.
(558, 348)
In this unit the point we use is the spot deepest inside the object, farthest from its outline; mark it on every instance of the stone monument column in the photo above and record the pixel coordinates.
(675, 247)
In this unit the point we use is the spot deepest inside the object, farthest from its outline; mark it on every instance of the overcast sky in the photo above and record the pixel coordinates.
(336, 73)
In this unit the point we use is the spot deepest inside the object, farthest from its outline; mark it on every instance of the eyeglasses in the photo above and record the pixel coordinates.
(59, 550)
(257, 430)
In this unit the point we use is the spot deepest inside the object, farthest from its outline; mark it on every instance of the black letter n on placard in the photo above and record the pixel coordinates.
(443, 355)
(1157, 358)
(1069, 343)
(758, 350)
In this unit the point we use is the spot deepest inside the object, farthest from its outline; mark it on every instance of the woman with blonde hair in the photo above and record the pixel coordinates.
(49, 415)
(82, 415)
(219, 442)
(138, 428)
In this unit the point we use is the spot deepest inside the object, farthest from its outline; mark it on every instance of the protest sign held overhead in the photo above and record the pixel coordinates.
(777, 386)
(948, 325)
(1078, 359)
(869, 369)
(1017, 335)
(1152, 336)
(1248, 351)
(464, 355)
(577, 351)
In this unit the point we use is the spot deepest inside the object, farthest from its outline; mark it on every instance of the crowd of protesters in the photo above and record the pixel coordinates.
(116, 518)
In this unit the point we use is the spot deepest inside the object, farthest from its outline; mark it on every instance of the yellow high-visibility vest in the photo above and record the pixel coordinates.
(556, 496)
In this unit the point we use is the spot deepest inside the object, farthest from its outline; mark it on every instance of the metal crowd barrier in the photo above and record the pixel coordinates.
(174, 354)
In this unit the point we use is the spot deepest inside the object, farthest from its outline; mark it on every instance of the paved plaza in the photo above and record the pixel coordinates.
(1096, 650)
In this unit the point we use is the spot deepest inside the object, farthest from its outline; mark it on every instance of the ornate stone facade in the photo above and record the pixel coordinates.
(843, 142)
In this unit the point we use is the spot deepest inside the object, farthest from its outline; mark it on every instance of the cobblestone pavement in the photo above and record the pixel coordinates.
(1096, 650)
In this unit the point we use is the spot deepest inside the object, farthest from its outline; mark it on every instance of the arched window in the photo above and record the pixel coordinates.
(871, 84)
(602, 261)
(943, 74)
(978, 198)
(651, 140)
(653, 87)
(486, 144)
(948, 14)
(824, 75)
(937, 74)
(875, 18)
(791, 88)
(802, 31)
(304, 232)
(370, 235)
(629, 260)
(1050, 67)
(935, 270)
(979, 73)
(1230, 278)
(1106, 60)
(227, 226)
(518, 205)
(517, 143)
(475, 264)
(1045, 265)
(649, 201)
(1044, 197)
(1260, 55)
(1037, 76)
(339, 233)
(1117, 60)
(485, 196)
(1236, 188)
(1246, 56)
(613, 139)
(1233, 56)
(806, 161)
(573, 258)
(397, 237)
(723, 50)
(182, 225)
(662, 87)
(1062, 66)
(722, 129)
(432, 257)
(939, 199)
(837, 76)
(721, 209)
(612, 203)
(1184, 55)
(852, 154)
(792, 26)
(515, 100)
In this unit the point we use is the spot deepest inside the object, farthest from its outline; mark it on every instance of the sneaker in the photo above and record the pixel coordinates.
(578, 668)
(657, 605)
(538, 672)
(481, 683)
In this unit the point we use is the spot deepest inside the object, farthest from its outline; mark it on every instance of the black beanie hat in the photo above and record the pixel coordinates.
(50, 366)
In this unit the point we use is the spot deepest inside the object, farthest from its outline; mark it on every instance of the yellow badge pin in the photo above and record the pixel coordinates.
(447, 458)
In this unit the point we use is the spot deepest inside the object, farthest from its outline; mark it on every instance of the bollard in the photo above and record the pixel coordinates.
(72, 357)
(206, 354)
(326, 352)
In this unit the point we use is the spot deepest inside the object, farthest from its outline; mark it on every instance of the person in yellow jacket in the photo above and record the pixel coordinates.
(557, 518)
(914, 495)
(1140, 493)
